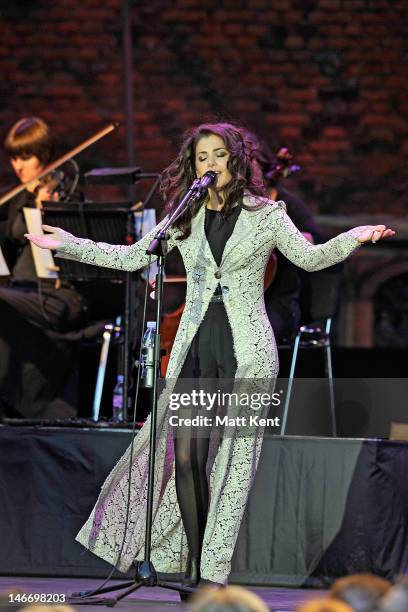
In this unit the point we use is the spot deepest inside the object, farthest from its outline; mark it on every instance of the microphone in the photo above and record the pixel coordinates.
(196, 190)
(207, 180)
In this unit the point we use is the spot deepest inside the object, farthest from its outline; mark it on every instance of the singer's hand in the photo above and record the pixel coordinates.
(373, 233)
(51, 241)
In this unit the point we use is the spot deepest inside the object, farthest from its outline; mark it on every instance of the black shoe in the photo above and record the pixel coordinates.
(192, 576)
(210, 584)
(186, 596)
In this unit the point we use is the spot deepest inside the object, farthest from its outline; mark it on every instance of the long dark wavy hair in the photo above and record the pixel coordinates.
(245, 172)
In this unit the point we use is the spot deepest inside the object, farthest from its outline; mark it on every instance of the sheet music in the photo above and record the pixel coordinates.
(4, 271)
(43, 259)
(149, 222)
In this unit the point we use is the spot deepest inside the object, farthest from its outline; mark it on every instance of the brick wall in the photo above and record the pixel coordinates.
(326, 77)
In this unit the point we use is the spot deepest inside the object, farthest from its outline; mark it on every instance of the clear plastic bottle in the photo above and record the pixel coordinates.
(117, 403)
(147, 361)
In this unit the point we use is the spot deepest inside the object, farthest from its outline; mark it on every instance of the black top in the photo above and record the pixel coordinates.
(17, 249)
(218, 231)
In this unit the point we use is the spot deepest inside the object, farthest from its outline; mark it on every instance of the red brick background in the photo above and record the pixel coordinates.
(326, 77)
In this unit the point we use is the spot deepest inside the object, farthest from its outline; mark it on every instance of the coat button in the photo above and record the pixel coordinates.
(217, 274)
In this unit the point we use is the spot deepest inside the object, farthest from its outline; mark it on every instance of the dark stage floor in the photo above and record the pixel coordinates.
(152, 599)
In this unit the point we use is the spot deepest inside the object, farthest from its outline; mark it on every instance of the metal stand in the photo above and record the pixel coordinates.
(100, 378)
(146, 574)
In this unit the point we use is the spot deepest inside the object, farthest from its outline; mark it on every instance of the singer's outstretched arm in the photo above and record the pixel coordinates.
(115, 256)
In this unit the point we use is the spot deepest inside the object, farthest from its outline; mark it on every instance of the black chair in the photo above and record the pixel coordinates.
(324, 286)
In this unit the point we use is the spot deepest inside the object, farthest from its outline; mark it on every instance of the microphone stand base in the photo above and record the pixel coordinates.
(145, 576)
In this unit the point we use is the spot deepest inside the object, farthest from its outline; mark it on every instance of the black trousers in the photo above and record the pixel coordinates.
(211, 356)
(211, 353)
(34, 366)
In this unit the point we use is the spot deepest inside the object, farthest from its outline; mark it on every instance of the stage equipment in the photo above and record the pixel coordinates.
(115, 176)
(101, 222)
(102, 229)
(128, 175)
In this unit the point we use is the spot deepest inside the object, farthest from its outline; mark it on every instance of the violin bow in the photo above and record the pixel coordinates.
(61, 160)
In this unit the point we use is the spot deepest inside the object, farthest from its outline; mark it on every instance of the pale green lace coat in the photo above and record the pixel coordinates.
(246, 253)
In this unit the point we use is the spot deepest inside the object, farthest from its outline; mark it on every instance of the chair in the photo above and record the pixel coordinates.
(325, 286)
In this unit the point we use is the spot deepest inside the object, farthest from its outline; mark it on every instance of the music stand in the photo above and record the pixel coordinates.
(110, 222)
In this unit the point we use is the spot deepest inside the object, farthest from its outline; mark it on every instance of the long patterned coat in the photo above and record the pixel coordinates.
(233, 466)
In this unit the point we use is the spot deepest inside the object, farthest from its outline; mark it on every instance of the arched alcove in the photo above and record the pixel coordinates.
(383, 298)
(391, 313)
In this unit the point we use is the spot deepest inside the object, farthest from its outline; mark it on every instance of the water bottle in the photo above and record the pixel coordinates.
(117, 404)
(147, 361)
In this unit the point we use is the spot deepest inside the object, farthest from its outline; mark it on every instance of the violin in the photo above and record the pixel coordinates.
(282, 168)
(52, 182)
(57, 163)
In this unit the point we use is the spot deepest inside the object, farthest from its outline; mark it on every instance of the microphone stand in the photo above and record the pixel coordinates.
(146, 574)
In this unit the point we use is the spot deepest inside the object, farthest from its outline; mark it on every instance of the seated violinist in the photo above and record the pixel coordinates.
(34, 364)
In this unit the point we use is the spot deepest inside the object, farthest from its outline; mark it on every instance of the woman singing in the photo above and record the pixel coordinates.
(225, 241)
